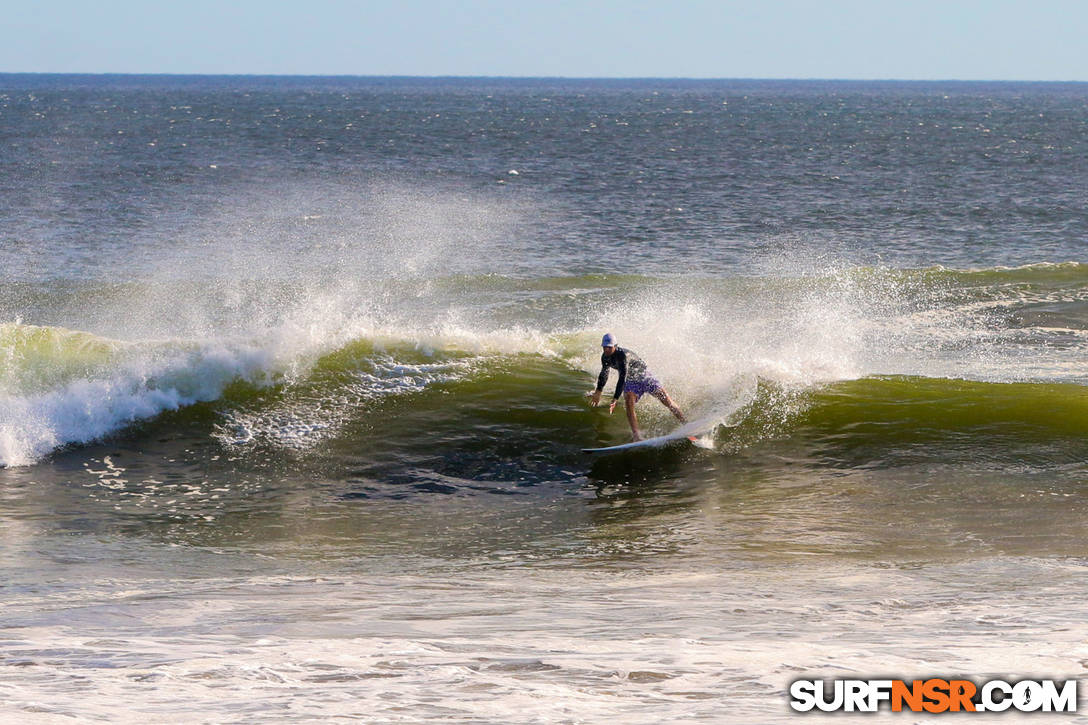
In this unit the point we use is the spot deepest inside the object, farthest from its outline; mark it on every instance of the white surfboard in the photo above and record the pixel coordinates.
(689, 431)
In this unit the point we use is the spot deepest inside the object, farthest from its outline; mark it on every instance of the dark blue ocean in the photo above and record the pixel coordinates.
(292, 377)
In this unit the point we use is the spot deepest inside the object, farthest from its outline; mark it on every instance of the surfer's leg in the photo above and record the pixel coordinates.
(629, 400)
(661, 395)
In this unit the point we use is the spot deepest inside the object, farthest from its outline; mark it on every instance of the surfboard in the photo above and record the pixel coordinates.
(689, 432)
(645, 443)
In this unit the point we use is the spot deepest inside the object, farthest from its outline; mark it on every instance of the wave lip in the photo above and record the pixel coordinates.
(61, 387)
(66, 387)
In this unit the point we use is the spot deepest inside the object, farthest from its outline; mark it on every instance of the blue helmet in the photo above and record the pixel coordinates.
(608, 340)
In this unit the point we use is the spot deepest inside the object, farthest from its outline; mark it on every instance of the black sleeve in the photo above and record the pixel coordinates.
(623, 373)
(603, 377)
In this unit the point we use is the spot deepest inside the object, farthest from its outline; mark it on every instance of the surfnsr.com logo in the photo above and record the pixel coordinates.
(934, 695)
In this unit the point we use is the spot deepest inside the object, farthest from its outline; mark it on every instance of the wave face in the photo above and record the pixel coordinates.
(837, 354)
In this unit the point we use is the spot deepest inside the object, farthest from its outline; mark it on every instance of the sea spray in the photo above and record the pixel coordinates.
(712, 341)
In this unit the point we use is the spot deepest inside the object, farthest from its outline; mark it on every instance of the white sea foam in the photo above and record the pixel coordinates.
(544, 646)
(142, 384)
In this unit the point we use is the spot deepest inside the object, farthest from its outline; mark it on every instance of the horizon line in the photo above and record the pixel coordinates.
(528, 77)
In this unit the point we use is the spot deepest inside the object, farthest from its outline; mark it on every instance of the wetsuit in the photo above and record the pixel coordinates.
(634, 377)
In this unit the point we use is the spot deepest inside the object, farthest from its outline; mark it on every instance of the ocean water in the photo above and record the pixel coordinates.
(292, 376)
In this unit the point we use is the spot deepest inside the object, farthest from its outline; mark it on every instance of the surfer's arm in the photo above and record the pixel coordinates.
(595, 396)
(602, 378)
(623, 375)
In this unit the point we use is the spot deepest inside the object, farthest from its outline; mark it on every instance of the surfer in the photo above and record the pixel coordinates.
(634, 382)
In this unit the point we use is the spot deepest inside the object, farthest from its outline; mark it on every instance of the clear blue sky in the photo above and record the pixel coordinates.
(903, 39)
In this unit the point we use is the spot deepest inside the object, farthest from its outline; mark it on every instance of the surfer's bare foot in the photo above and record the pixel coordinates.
(636, 437)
